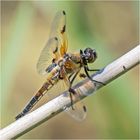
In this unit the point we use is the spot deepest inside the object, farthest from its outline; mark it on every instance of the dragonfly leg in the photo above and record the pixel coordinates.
(86, 71)
(70, 75)
(72, 91)
(92, 69)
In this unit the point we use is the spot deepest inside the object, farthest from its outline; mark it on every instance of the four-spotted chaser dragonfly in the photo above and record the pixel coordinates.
(57, 64)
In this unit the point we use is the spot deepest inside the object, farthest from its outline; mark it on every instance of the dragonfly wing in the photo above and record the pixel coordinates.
(47, 55)
(58, 24)
(79, 111)
(58, 29)
(56, 46)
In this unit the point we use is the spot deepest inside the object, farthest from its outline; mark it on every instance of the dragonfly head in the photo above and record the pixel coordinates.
(89, 55)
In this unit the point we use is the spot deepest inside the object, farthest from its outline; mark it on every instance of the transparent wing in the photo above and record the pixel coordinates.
(57, 44)
(59, 24)
(79, 113)
(49, 52)
(58, 30)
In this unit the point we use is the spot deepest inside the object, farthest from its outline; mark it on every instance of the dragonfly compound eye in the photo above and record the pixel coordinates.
(90, 55)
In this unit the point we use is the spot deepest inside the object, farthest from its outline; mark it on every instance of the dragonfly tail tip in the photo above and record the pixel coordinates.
(19, 116)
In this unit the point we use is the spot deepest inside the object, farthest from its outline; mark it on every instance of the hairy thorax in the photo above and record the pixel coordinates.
(72, 63)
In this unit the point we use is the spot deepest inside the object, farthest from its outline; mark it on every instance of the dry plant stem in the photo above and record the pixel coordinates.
(57, 105)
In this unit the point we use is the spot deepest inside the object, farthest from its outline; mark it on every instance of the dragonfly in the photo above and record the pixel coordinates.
(58, 65)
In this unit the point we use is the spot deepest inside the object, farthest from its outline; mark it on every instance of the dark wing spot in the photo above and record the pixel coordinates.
(56, 49)
(64, 12)
(64, 29)
(84, 108)
(53, 60)
(56, 38)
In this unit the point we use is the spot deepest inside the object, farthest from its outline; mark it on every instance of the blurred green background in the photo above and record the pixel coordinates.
(110, 27)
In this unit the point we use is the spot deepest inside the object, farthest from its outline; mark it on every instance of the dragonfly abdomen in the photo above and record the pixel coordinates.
(52, 78)
(41, 92)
